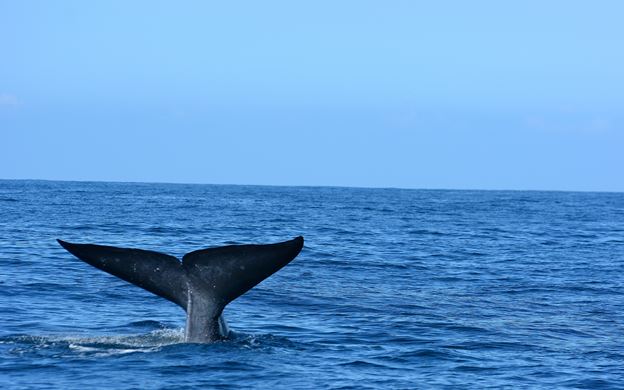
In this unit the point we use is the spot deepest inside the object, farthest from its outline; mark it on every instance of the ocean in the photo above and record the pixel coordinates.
(394, 289)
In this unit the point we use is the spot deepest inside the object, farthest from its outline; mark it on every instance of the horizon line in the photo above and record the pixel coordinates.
(313, 186)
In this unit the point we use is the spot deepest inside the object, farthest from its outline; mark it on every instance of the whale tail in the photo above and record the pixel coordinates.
(203, 283)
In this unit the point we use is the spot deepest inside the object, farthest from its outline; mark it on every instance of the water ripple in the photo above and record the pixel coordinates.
(394, 289)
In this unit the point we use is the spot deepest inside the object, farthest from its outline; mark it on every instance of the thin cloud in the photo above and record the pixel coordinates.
(9, 100)
(575, 124)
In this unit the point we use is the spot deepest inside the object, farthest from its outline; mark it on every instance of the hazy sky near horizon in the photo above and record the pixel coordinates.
(444, 94)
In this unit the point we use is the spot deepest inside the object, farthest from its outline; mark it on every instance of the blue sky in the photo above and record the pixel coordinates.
(415, 94)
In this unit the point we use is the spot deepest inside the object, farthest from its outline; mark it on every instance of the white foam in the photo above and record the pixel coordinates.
(109, 345)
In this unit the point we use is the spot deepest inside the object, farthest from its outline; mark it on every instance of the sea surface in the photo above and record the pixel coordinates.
(394, 289)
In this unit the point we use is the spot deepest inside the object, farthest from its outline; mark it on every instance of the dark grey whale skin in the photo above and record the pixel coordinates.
(203, 283)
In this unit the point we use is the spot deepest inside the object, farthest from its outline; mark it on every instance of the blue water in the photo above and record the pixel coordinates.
(394, 288)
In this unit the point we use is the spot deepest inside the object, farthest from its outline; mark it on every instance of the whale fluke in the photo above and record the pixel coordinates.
(202, 284)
